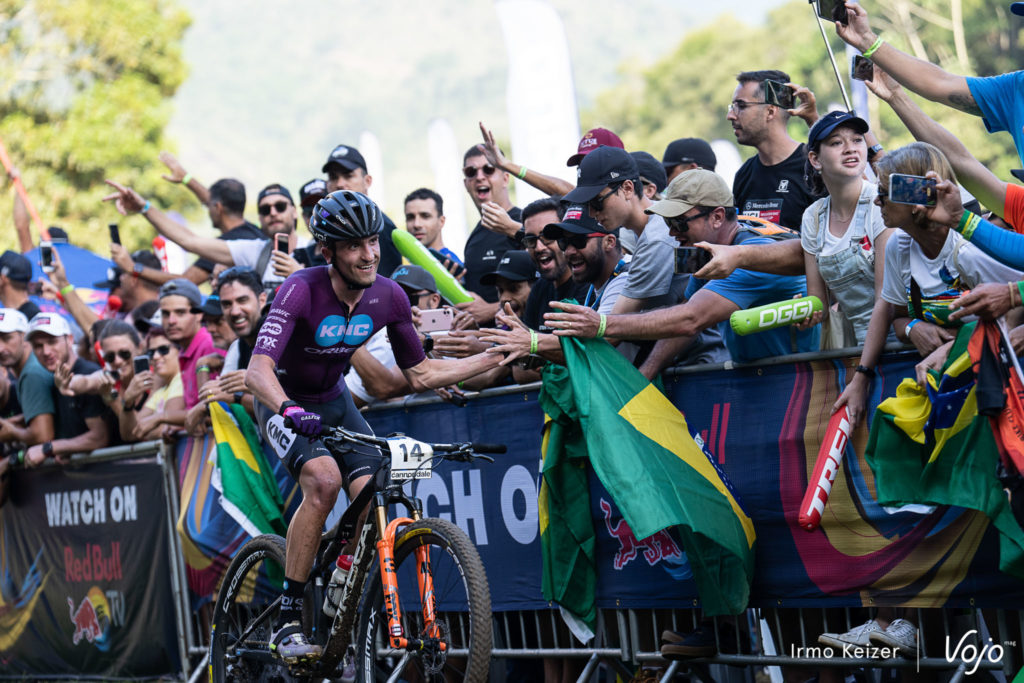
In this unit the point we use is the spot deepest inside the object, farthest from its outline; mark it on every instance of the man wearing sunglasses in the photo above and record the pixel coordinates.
(495, 234)
(555, 283)
(770, 184)
(346, 170)
(699, 208)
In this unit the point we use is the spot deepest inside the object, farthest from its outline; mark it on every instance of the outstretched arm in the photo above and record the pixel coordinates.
(547, 184)
(177, 174)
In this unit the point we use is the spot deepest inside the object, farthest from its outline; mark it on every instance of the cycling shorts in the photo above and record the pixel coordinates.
(295, 450)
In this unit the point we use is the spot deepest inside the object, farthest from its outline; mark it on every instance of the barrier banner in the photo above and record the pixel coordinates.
(85, 574)
(764, 426)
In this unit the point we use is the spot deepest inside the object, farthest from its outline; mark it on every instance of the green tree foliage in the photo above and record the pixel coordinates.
(686, 93)
(84, 95)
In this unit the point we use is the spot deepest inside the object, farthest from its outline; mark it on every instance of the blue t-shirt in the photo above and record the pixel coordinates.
(747, 289)
(1001, 99)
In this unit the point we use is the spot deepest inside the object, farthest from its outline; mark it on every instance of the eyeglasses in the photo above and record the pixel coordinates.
(597, 203)
(576, 241)
(741, 105)
(162, 350)
(123, 354)
(470, 171)
(279, 207)
(530, 241)
(681, 224)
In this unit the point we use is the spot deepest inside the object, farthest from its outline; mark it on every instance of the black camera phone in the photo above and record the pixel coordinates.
(832, 10)
(115, 233)
(863, 69)
(140, 364)
(778, 93)
(691, 259)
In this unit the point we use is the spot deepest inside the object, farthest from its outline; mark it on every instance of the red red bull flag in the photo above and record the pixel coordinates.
(604, 412)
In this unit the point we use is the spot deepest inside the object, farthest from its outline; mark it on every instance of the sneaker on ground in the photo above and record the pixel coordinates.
(700, 643)
(901, 635)
(290, 644)
(859, 636)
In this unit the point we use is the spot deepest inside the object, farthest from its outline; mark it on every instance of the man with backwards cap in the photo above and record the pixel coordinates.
(77, 421)
(699, 207)
(15, 274)
(346, 170)
(181, 316)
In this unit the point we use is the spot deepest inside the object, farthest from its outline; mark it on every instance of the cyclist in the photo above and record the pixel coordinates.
(319, 317)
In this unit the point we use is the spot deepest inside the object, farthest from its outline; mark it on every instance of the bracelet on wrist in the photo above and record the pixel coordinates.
(534, 340)
(874, 47)
(67, 289)
(604, 324)
(910, 326)
(1020, 291)
(968, 224)
(146, 207)
(522, 172)
(865, 370)
(48, 449)
(186, 179)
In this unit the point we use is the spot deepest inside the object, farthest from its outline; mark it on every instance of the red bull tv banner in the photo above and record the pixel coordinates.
(764, 427)
(85, 567)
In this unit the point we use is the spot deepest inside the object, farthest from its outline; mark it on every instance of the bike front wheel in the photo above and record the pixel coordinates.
(462, 607)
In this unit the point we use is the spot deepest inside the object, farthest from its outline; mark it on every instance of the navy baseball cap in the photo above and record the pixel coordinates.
(576, 220)
(689, 151)
(651, 169)
(515, 265)
(1017, 8)
(599, 169)
(15, 266)
(274, 188)
(414, 279)
(347, 157)
(824, 126)
(312, 192)
(212, 306)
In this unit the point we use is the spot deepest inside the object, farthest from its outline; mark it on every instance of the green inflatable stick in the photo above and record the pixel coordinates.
(770, 316)
(419, 255)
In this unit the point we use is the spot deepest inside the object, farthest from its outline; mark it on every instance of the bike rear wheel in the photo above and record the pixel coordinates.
(463, 606)
(251, 584)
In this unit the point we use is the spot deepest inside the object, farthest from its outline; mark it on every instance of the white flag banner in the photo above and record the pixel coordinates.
(369, 147)
(446, 165)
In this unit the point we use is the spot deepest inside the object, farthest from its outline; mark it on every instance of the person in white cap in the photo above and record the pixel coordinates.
(77, 423)
(14, 354)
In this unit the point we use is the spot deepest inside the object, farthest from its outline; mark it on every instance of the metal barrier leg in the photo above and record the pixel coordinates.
(589, 669)
(670, 672)
(200, 668)
(958, 675)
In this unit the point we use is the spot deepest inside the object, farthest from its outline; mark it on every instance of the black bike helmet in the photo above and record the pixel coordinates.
(345, 215)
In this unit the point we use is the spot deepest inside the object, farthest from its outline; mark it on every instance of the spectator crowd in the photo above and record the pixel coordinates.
(815, 216)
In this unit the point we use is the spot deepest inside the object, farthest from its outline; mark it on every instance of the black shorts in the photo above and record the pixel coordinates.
(296, 450)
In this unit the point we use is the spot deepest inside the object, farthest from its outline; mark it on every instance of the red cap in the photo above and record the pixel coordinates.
(591, 140)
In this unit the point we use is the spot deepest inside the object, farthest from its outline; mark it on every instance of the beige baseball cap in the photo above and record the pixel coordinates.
(696, 187)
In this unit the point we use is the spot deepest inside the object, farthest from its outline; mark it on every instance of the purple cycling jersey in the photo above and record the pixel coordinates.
(311, 335)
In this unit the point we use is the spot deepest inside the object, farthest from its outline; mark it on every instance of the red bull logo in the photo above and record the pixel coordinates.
(85, 621)
(655, 548)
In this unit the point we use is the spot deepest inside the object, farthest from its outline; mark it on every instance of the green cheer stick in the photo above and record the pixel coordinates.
(419, 255)
(771, 316)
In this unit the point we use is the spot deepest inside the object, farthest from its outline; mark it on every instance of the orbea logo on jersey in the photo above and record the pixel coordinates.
(334, 329)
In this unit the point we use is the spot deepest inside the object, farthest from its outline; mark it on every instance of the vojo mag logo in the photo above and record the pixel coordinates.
(334, 329)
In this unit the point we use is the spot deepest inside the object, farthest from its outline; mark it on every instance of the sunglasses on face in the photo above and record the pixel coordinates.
(597, 203)
(576, 241)
(279, 207)
(681, 224)
(470, 171)
(162, 350)
(123, 354)
(530, 241)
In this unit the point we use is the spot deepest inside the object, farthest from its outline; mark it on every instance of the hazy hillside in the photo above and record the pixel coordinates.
(273, 86)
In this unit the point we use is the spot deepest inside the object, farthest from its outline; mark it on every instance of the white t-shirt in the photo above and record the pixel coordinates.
(246, 253)
(958, 267)
(380, 348)
(810, 224)
(232, 358)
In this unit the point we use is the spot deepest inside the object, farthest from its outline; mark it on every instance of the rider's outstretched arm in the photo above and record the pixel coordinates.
(432, 373)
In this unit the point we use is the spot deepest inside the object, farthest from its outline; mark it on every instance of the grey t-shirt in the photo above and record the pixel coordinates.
(653, 262)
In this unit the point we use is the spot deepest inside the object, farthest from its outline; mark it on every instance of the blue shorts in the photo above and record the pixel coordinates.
(296, 450)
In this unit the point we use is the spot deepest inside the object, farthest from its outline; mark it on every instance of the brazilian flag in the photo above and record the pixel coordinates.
(602, 410)
(929, 445)
(248, 488)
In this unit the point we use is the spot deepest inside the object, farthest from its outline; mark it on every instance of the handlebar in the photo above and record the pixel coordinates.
(464, 451)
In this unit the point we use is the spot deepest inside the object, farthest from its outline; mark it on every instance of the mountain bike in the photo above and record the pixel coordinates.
(416, 594)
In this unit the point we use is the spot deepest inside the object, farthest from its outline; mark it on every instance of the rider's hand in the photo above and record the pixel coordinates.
(302, 421)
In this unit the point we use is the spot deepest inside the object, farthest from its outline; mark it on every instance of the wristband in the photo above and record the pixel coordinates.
(238, 396)
(968, 224)
(286, 405)
(910, 325)
(874, 48)
(602, 326)
(67, 289)
(865, 370)
(18, 459)
(125, 408)
(533, 341)
(1020, 290)
(48, 449)
(522, 172)
(146, 207)
(186, 179)
(203, 368)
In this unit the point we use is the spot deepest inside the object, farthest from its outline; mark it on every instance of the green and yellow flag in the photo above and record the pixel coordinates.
(248, 489)
(929, 445)
(603, 410)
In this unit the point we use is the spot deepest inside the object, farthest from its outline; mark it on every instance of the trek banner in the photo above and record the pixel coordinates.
(85, 574)
(763, 426)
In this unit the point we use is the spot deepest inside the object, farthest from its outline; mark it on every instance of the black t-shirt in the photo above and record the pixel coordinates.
(484, 250)
(776, 193)
(245, 231)
(29, 309)
(390, 257)
(72, 410)
(543, 293)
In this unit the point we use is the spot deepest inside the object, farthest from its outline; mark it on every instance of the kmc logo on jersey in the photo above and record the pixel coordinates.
(334, 329)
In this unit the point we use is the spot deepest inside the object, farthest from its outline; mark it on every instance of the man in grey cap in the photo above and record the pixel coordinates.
(699, 207)
(181, 316)
(346, 170)
(686, 153)
(15, 274)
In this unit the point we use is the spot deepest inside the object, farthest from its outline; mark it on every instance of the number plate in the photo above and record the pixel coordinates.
(410, 459)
